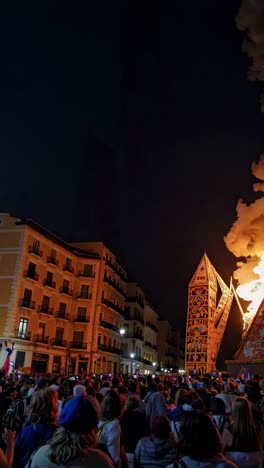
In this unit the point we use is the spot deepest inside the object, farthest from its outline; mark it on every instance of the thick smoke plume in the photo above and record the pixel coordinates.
(250, 18)
(246, 237)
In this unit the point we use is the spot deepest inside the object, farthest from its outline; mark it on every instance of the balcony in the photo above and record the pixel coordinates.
(139, 319)
(22, 336)
(27, 304)
(150, 325)
(68, 268)
(58, 342)
(52, 260)
(45, 310)
(114, 285)
(81, 319)
(84, 296)
(147, 362)
(61, 315)
(137, 336)
(109, 325)
(108, 349)
(113, 306)
(40, 339)
(66, 290)
(86, 274)
(116, 269)
(78, 345)
(35, 251)
(50, 284)
(31, 275)
(147, 343)
(137, 300)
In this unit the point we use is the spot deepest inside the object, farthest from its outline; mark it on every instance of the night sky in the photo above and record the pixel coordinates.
(134, 124)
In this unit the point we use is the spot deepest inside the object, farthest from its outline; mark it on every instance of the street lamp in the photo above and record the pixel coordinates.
(153, 364)
(122, 332)
(132, 355)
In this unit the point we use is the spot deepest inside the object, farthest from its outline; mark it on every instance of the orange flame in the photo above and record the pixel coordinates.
(254, 292)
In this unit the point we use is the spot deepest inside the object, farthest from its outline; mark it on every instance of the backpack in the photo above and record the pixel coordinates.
(14, 418)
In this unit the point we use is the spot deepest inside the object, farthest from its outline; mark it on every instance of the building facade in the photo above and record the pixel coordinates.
(62, 305)
(171, 348)
(139, 344)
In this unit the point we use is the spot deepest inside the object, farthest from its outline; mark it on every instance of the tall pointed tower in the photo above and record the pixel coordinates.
(209, 303)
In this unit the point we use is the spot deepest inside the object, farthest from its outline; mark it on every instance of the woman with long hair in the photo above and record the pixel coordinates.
(200, 443)
(109, 430)
(160, 448)
(240, 438)
(42, 423)
(74, 442)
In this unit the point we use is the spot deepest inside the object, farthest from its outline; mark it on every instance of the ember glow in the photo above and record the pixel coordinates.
(246, 241)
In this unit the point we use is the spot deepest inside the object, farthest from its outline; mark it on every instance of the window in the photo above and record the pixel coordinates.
(68, 264)
(53, 254)
(65, 286)
(27, 297)
(52, 257)
(84, 291)
(31, 272)
(36, 245)
(88, 270)
(62, 308)
(81, 312)
(22, 328)
(42, 330)
(99, 340)
(59, 333)
(78, 337)
(49, 279)
(45, 303)
(20, 359)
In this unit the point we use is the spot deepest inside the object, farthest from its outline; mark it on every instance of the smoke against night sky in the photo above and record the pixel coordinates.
(133, 125)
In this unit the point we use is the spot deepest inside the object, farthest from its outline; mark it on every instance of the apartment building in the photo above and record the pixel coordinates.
(109, 308)
(139, 344)
(171, 348)
(55, 300)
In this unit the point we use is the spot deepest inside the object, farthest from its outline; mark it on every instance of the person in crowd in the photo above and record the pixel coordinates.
(218, 414)
(40, 426)
(79, 390)
(40, 383)
(155, 401)
(109, 430)
(9, 395)
(55, 382)
(227, 395)
(105, 388)
(6, 459)
(185, 404)
(160, 448)
(133, 427)
(178, 403)
(200, 444)
(240, 438)
(252, 392)
(74, 442)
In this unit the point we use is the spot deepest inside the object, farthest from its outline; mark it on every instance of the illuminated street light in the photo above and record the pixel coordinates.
(132, 355)
(122, 331)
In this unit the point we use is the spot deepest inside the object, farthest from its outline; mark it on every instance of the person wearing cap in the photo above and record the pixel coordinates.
(74, 442)
(39, 427)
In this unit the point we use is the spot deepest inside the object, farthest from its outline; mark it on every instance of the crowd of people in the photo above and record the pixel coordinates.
(131, 422)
